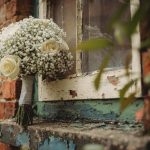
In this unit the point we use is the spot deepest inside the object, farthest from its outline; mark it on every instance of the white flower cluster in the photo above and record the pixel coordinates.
(40, 46)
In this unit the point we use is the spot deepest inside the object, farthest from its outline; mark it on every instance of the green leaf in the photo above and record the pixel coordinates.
(124, 90)
(120, 33)
(101, 70)
(127, 101)
(95, 44)
(128, 60)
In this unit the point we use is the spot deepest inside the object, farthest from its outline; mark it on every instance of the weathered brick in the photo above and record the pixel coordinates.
(10, 109)
(4, 147)
(14, 10)
(10, 89)
(2, 110)
(7, 109)
(11, 9)
(146, 62)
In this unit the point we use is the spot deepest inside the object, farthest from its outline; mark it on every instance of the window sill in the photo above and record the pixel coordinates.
(118, 135)
(81, 87)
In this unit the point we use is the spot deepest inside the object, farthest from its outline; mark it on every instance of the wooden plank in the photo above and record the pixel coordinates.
(82, 87)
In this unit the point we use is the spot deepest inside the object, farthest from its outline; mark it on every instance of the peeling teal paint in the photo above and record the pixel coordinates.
(53, 143)
(87, 110)
(22, 139)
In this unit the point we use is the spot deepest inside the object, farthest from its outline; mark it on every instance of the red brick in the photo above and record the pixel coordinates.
(7, 109)
(10, 89)
(2, 110)
(146, 63)
(11, 9)
(14, 10)
(4, 147)
(10, 109)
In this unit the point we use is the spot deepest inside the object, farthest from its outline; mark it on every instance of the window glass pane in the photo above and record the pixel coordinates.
(96, 16)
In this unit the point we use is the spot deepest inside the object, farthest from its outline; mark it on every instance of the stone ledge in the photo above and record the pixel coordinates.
(118, 136)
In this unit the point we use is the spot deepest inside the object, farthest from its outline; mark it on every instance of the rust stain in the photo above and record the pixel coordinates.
(73, 93)
(113, 80)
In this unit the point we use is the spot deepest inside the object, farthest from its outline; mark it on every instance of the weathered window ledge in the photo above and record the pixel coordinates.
(121, 136)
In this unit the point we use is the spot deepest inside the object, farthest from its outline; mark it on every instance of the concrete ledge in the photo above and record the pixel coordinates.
(121, 136)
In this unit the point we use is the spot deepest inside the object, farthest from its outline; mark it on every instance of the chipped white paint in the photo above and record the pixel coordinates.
(135, 42)
(82, 87)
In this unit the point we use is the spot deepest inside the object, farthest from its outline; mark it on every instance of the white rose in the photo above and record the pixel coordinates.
(50, 46)
(9, 66)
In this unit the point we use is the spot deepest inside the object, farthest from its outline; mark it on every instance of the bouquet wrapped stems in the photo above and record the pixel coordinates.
(24, 114)
(29, 47)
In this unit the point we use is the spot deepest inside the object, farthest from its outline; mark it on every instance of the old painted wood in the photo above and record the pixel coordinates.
(82, 87)
(88, 110)
(92, 110)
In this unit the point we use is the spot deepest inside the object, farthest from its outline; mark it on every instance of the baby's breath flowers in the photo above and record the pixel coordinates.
(40, 45)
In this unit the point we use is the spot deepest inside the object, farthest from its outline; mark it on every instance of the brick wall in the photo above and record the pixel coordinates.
(4, 147)
(11, 11)
(14, 10)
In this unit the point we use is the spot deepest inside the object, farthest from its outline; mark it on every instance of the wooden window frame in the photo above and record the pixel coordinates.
(80, 86)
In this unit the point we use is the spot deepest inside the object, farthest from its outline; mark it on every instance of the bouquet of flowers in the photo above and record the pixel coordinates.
(33, 46)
